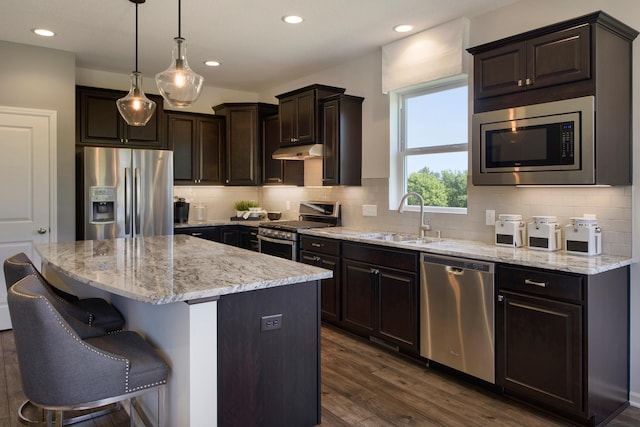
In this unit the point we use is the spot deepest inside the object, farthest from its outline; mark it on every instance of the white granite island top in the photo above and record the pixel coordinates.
(558, 260)
(166, 269)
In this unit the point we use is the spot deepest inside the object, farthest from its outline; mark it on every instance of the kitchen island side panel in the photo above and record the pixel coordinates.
(269, 377)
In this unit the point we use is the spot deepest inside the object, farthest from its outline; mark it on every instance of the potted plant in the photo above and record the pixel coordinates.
(244, 206)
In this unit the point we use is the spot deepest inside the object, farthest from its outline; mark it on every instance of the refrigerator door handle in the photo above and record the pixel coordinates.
(127, 201)
(137, 201)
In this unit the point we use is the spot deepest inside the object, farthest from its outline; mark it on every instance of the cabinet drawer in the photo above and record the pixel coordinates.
(320, 245)
(380, 256)
(564, 286)
(207, 233)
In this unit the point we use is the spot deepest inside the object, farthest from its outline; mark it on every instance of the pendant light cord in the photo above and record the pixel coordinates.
(136, 38)
(179, 18)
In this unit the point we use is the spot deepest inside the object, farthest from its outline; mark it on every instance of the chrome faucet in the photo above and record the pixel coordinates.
(422, 227)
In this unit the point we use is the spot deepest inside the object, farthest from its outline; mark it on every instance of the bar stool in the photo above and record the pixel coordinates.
(61, 371)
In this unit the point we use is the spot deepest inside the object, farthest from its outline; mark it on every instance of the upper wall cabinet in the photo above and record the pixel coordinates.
(341, 133)
(299, 113)
(278, 172)
(197, 141)
(243, 146)
(98, 121)
(566, 60)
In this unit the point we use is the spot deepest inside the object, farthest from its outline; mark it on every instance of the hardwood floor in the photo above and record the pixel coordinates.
(362, 385)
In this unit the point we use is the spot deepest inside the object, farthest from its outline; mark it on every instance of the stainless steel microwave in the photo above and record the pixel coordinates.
(546, 144)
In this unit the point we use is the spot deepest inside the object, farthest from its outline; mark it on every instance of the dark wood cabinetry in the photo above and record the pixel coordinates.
(243, 146)
(207, 233)
(564, 60)
(99, 123)
(274, 172)
(299, 113)
(562, 340)
(269, 378)
(380, 294)
(341, 130)
(325, 253)
(197, 141)
(249, 238)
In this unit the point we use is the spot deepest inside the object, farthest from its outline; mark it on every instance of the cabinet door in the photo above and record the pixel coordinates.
(306, 118)
(181, 130)
(398, 308)
(539, 350)
(500, 71)
(230, 235)
(331, 136)
(287, 116)
(358, 282)
(100, 123)
(330, 297)
(559, 57)
(242, 146)
(211, 143)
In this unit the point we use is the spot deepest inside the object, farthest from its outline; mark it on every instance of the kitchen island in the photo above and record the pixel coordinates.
(233, 325)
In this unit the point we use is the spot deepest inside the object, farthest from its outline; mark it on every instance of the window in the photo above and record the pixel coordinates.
(432, 155)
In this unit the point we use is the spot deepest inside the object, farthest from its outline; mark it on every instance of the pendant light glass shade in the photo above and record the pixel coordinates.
(135, 108)
(179, 85)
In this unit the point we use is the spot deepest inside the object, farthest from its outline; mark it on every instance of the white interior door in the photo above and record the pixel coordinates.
(27, 187)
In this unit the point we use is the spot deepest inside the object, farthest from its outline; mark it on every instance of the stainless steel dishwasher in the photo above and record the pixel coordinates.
(457, 314)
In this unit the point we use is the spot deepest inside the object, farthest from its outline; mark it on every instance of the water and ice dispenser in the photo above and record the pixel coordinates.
(103, 205)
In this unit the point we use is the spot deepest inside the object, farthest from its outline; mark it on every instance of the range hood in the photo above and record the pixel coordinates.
(298, 152)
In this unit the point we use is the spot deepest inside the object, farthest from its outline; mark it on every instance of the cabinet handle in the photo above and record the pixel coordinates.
(317, 245)
(375, 271)
(520, 84)
(500, 298)
(312, 258)
(528, 82)
(196, 234)
(534, 283)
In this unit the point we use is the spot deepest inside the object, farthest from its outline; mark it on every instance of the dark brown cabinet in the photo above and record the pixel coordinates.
(325, 253)
(99, 123)
(562, 340)
(569, 59)
(207, 233)
(299, 113)
(380, 294)
(197, 141)
(249, 238)
(278, 172)
(341, 130)
(243, 146)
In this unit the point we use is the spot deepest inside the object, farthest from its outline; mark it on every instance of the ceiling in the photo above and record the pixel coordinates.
(256, 49)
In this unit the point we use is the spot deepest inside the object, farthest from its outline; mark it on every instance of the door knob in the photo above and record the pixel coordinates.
(42, 230)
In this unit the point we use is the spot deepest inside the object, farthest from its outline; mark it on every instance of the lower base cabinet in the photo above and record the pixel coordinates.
(269, 377)
(562, 341)
(380, 294)
(325, 253)
(207, 233)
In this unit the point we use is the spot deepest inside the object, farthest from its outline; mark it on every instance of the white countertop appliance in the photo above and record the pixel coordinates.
(510, 231)
(544, 233)
(583, 237)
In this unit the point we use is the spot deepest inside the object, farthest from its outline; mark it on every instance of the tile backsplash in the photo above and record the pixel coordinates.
(611, 205)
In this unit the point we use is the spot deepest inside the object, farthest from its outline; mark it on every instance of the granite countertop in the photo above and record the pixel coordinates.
(558, 260)
(166, 269)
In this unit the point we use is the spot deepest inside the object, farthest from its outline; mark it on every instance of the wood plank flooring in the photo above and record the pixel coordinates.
(363, 385)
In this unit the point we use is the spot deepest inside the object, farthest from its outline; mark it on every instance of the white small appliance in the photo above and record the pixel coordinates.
(510, 231)
(544, 233)
(583, 236)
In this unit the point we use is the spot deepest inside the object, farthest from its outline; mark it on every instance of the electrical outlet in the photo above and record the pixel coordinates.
(490, 217)
(270, 323)
(369, 210)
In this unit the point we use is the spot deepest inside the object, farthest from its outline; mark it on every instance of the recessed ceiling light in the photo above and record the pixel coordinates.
(292, 19)
(43, 32)
(212, 63)
(403, 28)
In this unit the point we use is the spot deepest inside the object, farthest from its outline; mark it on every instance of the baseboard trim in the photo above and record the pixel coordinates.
(634, 399)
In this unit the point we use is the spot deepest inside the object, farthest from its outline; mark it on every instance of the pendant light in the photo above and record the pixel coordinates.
(135, 108)
(179, 85)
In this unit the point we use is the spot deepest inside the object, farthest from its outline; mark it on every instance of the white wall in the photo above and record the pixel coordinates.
(35, 77)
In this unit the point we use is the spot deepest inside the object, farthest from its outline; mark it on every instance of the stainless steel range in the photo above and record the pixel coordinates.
(280, 238)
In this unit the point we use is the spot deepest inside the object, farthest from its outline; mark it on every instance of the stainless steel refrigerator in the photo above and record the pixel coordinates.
(124, 192)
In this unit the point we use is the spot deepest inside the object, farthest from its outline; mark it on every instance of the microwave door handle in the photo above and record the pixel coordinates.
(127, 201)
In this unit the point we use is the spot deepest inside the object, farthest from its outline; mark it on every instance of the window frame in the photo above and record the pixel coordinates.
(399, 152)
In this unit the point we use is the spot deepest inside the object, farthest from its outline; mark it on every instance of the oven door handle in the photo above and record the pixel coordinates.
(279, 241)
